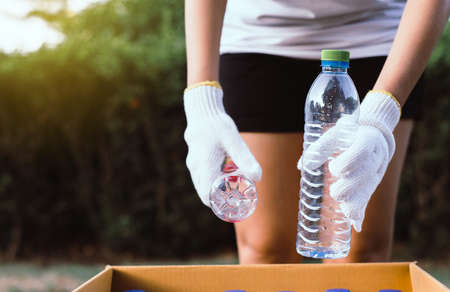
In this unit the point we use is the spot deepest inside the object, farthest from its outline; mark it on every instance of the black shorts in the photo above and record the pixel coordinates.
(266, 93)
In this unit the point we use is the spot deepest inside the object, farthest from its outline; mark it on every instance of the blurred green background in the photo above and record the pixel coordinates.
(92, 153)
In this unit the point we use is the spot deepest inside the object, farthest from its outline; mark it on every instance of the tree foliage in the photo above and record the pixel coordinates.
(91, 143)
(422, 213)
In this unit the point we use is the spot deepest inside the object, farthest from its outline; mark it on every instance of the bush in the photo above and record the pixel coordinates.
(91, 141)
(422, 213)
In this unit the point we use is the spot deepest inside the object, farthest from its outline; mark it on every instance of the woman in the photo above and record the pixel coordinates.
(269, 58)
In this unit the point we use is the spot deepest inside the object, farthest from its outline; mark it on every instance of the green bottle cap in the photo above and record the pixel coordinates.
(335, 55)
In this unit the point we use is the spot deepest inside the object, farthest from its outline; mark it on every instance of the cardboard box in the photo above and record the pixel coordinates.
(407, 277)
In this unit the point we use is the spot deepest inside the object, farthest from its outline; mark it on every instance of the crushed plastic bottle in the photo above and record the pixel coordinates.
(233, 195)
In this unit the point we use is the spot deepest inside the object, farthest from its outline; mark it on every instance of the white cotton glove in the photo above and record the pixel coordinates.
(360, 168)
(210, 135)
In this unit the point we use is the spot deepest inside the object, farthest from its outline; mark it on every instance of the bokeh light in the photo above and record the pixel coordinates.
(19, 33)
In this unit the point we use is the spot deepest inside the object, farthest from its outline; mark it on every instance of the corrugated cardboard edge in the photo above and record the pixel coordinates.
(96, 283)
(422, 281)
(257, 266)
(263, 277)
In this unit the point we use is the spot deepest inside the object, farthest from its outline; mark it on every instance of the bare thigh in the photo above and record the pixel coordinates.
(374, 242)
(269, 235)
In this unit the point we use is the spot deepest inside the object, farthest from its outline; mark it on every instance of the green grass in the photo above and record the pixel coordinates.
(439, 271)
(30, 269)
(29, 277)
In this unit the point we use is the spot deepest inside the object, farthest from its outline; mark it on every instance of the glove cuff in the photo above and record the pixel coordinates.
(382, 111)
(380, 107)
(203, 101)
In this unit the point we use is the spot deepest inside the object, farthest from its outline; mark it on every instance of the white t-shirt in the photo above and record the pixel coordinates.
(302, 28)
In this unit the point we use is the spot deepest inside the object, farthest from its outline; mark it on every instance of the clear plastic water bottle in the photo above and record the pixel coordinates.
(233, 195)
(323, 231)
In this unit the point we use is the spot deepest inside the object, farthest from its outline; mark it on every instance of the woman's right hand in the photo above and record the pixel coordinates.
(210, 135)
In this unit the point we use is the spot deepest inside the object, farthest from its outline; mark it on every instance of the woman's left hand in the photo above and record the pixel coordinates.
(360, 168)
